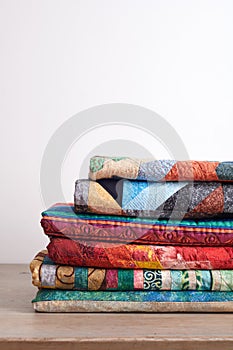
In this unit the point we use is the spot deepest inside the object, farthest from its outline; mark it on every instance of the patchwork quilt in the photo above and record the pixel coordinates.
(132, 256)
(48, 300)
(159, 170)
(174, 200)
(47, 274)
(141, 236)
(61, 221)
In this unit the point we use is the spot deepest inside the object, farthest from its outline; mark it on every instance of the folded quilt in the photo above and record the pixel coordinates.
(48, 300)
(159, 170)
(132, 256)
(46, 274)
(61, 221)
(152, 199)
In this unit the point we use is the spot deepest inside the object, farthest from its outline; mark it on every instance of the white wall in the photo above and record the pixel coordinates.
(59, 57)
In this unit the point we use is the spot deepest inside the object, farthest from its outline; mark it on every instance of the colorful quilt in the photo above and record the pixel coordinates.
(61, 221)
(133, 256)
(141, 236)
(153, 199)
(46, 274)
(159, 170)
(48, 300)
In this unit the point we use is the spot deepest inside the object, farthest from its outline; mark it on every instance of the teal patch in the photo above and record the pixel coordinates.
(125, 279)
(81, 278)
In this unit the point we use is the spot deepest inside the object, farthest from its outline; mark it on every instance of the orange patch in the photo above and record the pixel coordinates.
(193, 170)
(214, 203)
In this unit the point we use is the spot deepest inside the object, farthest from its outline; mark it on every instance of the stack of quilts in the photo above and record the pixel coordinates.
(142, 236)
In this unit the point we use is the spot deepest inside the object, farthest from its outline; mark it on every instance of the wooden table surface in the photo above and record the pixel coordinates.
(22, 328)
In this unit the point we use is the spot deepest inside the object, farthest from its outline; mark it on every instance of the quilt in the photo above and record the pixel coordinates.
(132, 256)
(48, 300)
(174, 200)
(47, 274)
(159, 170)
(61, 221)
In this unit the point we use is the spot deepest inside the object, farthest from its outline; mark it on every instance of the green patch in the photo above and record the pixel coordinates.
(185, 280)
(116, 159)
(96, 164)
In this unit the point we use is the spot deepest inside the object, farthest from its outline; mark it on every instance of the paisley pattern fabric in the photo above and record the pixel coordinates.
(46, 274)
(176, 200)
(61, 221)
(136, 301)
(159, 170)
(133, 256)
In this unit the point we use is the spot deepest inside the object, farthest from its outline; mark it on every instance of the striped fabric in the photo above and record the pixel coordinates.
(61, 221)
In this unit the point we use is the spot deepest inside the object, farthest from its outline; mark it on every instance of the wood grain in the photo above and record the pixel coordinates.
(22, 328)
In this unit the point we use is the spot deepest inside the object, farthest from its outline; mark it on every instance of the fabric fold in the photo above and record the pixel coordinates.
(102, 167)
(137, 301)
(47, 274)
(133, 256)
(176, 200)
(61, 221)
(141, 236)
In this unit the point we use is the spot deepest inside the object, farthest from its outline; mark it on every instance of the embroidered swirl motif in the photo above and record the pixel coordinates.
(211, 239)
(152, 279)
(65, 275)
(185, 240)
(128, 234)
(169, 235)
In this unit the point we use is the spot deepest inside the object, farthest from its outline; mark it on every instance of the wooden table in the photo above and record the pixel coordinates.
(22, 328)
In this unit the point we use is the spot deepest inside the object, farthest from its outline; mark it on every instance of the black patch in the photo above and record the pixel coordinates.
(113, 187)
